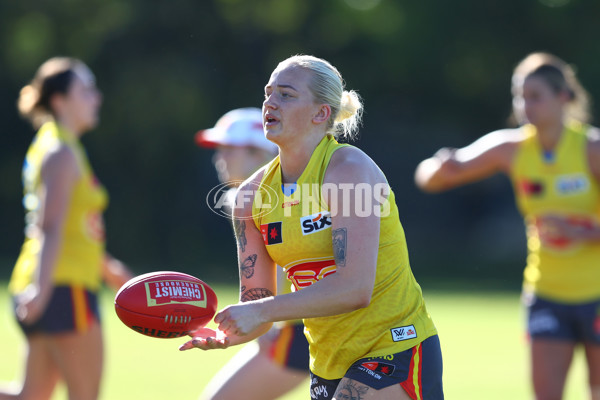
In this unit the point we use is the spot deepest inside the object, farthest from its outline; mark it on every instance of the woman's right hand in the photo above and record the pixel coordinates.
(206, 339)
(30, 305)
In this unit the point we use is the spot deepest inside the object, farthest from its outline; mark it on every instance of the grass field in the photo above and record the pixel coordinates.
(485, 354)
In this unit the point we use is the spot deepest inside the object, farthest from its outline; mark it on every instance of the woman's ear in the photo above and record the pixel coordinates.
(323, 114)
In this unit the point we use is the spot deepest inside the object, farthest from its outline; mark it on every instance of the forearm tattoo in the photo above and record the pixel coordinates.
(351, 390)
(239, 227)
(339, 246)
(256, 294)
(247, 266)
(243, 289)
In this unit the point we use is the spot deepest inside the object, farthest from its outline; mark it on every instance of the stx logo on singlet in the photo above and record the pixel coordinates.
(305, 274)
(316, 222)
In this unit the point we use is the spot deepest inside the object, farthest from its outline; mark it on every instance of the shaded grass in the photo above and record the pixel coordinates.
(481, 331)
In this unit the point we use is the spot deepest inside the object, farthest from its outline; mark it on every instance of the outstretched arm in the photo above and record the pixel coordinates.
(449, 168)
(240, 323)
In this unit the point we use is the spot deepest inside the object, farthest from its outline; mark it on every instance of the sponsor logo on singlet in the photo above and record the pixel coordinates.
(560, 242)
(403, 333)
(315, 222)
(305, 274)
(572, 184)
(290, 203)
(94, 226)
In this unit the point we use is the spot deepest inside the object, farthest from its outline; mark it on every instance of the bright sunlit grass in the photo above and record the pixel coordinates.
(484, 350)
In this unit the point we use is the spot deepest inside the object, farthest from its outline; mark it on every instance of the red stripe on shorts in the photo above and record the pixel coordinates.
(415, 393)
(408, 384)
(280, 348)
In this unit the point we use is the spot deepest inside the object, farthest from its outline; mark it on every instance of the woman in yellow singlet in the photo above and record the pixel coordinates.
(57, 276)
(553, 161)
(278, 361)
(325, 214)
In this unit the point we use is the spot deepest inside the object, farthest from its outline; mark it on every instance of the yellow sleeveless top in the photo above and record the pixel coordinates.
(558, 269)
(80, 257)
(298, 237)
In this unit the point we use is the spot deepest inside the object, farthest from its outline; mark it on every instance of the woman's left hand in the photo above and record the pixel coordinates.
(30, 305)
(239, 319)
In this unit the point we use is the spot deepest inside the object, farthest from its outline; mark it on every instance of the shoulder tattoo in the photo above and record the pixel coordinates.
(338, 239)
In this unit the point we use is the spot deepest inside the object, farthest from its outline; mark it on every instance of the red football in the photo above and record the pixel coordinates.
(165, 304)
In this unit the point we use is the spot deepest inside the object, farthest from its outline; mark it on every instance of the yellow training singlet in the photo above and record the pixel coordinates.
(558, 269)
(299, 239)
(80, 257)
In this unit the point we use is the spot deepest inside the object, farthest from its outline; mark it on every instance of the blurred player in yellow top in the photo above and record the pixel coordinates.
(278, 362)
(58, 274)
(553, 161)
(325, 213)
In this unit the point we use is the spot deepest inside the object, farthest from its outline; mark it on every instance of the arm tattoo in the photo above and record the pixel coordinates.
(339, 246)
(239, 227)
(349, 389)
(256, 294)
(243, 289)
(247, 266)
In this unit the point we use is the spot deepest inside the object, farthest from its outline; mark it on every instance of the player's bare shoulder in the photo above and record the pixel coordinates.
(60, 161)
(505, 138)
(351, 164)
(502, 144)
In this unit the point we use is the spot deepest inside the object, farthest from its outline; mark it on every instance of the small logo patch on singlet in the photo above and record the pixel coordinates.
(530, 187)
(271, 233)
(403, 333)
(572, 184)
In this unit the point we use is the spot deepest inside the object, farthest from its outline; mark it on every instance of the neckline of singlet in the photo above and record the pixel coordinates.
(288, 189)
(548, 156)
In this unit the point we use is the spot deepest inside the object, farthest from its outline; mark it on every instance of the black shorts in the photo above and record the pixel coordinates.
(547, 319)
(70, 309)
(290, 348)
(418, 370)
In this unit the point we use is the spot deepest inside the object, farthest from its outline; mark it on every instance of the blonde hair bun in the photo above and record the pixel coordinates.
(28, 100)
(350, 114)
